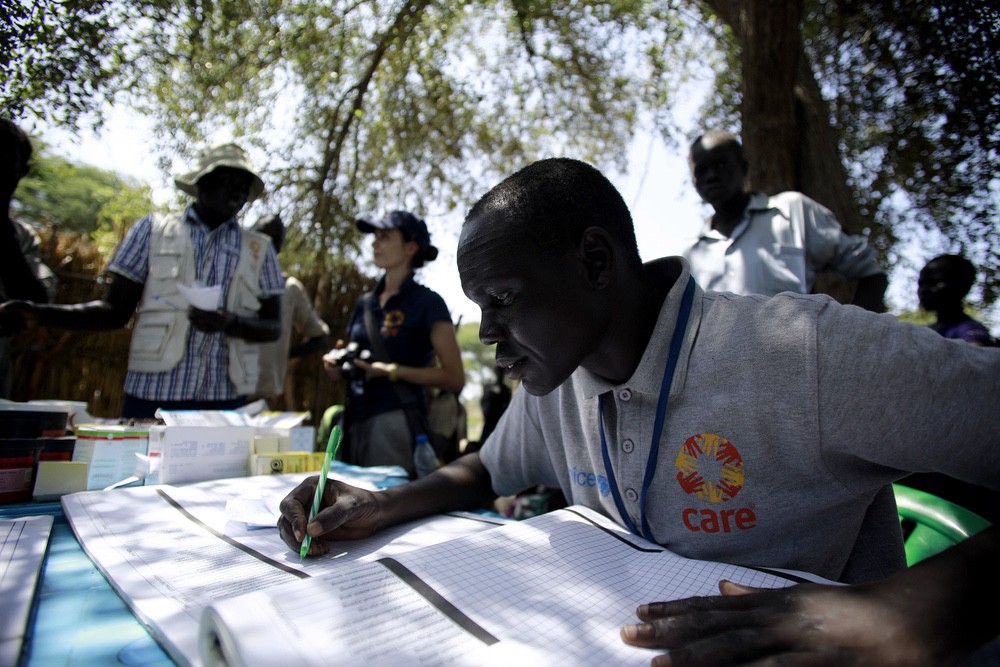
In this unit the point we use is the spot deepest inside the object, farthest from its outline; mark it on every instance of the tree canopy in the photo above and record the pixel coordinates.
(58, 60)
(887, 114)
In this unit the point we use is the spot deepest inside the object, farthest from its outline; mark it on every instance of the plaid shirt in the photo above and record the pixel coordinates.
(203, 373)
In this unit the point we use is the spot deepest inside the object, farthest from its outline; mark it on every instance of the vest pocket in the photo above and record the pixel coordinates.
(246, 297)
(151, 335)
(244, 365)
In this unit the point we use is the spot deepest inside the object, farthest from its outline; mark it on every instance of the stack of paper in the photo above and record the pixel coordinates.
(23, 543)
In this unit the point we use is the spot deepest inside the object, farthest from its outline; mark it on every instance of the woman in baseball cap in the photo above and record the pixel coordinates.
(410, 326)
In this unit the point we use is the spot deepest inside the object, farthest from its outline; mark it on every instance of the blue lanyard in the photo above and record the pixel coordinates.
(661, 413)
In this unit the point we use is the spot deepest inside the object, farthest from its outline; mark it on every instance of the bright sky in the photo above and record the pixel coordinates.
(665, 208)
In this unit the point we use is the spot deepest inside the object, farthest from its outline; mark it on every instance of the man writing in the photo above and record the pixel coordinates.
(738, 429)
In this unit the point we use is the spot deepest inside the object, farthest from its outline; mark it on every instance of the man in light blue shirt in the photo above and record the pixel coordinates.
(755, 244)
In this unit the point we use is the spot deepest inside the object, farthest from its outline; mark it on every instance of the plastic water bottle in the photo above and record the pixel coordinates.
(424, 458)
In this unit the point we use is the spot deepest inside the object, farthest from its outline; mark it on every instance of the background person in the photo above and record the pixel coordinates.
(23, 275)
(942, 286)
(299, 321)
(414, 327)
(737, 429)
(182, 357)
(755, 244)
(496, 398)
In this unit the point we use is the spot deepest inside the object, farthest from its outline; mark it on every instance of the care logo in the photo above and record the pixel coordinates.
(710, 467)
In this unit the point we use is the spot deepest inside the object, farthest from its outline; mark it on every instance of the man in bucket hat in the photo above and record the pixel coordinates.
(184, 357)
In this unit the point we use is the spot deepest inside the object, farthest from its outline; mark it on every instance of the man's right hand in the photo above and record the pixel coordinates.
(346, 513)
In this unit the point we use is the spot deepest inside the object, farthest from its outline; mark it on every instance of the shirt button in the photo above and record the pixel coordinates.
(631, 495)
(628, 446)
(625, 395)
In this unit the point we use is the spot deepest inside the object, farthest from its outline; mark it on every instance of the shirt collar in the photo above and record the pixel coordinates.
(192, 217)
(408, 285)
(648, 375)
(758, 202)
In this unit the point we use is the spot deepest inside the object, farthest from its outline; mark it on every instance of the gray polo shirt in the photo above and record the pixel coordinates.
(787, 418)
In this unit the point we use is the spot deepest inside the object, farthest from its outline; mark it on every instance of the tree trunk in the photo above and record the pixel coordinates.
(787, 136)
(771, 52)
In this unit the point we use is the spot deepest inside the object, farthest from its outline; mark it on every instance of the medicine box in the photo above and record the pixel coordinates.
(199, 453)
(109, 451)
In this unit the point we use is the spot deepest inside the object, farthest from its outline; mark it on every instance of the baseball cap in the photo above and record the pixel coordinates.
(411, 226)
(210, 159)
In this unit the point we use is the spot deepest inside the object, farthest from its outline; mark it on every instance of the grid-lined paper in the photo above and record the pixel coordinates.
(551, 590)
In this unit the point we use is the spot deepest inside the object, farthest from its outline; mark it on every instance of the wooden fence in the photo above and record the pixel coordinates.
(90, 365)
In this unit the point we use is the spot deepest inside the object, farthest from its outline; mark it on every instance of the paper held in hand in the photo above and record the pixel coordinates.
(201, 297)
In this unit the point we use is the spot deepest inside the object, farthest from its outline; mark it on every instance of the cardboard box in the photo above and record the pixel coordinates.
(57, 478)
(266, 444)
(299, 439)
(286, 462)
(109, 452)
(199, 453)
(303, 439)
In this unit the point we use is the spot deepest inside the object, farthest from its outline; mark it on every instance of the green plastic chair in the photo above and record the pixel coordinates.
(934, 523)
(330, 417)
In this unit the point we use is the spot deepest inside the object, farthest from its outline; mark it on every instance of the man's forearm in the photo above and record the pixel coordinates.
(253, 329)
(463, 484)
(97, 314)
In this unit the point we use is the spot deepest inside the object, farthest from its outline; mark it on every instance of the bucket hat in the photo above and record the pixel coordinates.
(411, 226)
(210, 159)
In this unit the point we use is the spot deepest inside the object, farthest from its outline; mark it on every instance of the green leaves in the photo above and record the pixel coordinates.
(72, 197)
(57, 59)
(359, 106)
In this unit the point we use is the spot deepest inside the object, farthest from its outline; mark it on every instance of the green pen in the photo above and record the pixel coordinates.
(331, 450)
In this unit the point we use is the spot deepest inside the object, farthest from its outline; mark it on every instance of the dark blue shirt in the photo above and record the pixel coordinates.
(405, 326)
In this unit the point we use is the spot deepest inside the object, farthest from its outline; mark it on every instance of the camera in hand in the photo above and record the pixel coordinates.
(345, 358)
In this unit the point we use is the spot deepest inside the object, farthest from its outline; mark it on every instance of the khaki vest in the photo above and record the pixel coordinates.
(160, 333)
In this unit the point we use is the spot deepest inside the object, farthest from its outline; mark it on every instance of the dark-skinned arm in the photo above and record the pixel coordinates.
(350, 513)
(934, 613)
(111, 312)
(870, 292)
(263, 328)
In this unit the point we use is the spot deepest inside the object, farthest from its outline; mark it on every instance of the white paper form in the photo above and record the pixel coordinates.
(551, 590)
(201, 296)
(23, 543)
(170, 551)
